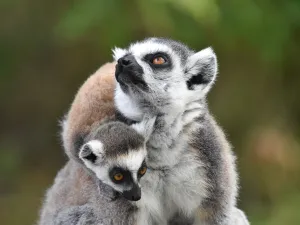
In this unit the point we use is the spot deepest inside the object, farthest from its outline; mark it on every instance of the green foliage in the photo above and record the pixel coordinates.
(265, 25)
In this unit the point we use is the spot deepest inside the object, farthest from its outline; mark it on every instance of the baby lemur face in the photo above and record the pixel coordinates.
(116, 154)
(161, 75)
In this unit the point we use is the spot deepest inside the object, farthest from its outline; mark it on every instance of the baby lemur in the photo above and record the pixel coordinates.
(100, 190)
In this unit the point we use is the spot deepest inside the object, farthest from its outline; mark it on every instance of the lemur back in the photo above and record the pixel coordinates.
(93, 103)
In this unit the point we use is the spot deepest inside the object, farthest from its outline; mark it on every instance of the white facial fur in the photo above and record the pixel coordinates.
(168, 91)
(129, 107)
(131, 161)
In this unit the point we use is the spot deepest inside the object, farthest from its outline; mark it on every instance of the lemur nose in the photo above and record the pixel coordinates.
(125, 61)
(135, 197)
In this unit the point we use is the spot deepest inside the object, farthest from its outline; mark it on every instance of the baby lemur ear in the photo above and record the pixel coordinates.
(91, 151)
(146, 126)
(201, 70)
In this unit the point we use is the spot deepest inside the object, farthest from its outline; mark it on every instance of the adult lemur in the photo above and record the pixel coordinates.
(191, 177)
(194, 166)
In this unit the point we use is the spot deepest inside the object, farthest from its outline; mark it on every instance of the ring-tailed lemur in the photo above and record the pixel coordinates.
(94, 102)
(99, 190)
(192, 168)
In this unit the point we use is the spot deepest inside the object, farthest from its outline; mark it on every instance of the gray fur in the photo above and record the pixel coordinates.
(117, 138)
(192, 166)
(191, 178)
(79, 197)
(182, 50)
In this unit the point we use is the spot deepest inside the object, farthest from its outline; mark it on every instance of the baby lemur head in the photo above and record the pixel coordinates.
(116, 153)
(161, 76)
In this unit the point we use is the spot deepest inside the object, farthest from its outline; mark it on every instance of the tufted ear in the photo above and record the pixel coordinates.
(145, 127)
(201, 70)
(91, 152)
(118, 53)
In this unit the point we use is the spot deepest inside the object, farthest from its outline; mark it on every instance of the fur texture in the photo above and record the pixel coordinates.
(86, 193)
(93, 103)
(76, 198)
(83, 192)
(192, 177)
(191, 159)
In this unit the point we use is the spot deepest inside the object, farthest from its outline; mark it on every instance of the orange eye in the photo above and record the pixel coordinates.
(158, 60)
(143, 170)
(118, 176)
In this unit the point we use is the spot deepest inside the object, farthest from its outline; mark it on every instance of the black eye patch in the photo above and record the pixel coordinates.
(167, 65)
(143, 165)
(127, 178)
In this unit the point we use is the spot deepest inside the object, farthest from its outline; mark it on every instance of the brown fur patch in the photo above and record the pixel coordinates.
(92, 104)
(204, 215)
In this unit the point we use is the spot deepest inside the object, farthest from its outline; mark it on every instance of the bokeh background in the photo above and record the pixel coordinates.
(49, 48)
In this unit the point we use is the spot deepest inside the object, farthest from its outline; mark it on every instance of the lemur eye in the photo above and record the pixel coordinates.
(118, 176)
(159, 60)
(142, 170)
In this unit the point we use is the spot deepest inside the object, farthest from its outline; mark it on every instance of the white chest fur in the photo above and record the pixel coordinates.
(185, 186)
(177, 181)
(177, 184)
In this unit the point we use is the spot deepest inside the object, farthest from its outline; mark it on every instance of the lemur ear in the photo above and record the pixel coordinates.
(201, 70)
(91, 151)
(145, 127)
(118, 53)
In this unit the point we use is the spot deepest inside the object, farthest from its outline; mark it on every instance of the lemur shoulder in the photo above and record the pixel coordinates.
(93, 103)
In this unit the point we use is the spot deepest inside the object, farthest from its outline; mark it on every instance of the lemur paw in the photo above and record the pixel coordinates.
(146, 126)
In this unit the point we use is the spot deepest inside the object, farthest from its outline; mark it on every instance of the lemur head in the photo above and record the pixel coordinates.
(116, 153)
(161, 76)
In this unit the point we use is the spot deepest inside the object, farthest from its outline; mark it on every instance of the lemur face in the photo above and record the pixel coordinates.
(116, 154)
(161, 75)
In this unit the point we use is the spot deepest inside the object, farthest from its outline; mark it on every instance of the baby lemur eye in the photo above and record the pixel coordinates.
(142, 170)
(118, 176)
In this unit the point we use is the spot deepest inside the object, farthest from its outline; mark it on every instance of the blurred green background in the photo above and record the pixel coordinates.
(48, 48)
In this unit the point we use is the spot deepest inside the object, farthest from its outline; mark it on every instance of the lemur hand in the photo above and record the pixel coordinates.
(146, 126)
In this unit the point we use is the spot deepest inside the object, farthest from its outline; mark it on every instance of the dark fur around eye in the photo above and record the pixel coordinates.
(127, 178)
(143, 165)
(149, 59)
